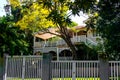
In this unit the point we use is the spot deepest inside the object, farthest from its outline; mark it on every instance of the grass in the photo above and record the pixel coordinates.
(76, 79)
(55, 79)
(111, 78)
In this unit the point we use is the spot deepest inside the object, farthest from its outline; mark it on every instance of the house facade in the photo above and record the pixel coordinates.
(49, 43)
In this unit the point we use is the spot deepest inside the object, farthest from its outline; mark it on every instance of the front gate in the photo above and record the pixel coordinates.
(75, 70)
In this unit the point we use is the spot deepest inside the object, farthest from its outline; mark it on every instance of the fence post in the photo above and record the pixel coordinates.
(46, 66)
(73, 70)
(23, 69)
(104, 69)
(1, 68)
(5, 68)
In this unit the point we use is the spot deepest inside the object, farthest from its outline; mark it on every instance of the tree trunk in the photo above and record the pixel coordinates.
(72, 47)
(65, 34)
(67, 39)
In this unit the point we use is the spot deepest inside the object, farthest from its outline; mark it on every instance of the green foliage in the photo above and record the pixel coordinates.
(82, 5)
(12, 39)
(92, 21)
(86, 53)
(72, 24)
(107, 24)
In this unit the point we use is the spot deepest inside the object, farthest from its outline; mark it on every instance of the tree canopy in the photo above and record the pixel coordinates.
(12, 40)
(40, 15)
(107, 24)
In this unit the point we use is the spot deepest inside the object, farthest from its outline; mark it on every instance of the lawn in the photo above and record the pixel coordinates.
(55, 79)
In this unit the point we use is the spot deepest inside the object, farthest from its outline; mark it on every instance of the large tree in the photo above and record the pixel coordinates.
(12, 39)
(108, 25)
(106, 20)
(44, 14)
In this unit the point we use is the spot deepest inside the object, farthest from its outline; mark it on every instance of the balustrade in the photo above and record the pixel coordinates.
(61, 42)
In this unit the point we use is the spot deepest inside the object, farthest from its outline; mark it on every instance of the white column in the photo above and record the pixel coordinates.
(34, 40)
(57, 54)
(76, 40)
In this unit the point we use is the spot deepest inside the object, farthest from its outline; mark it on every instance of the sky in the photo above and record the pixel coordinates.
(2, 3)
(77, 19)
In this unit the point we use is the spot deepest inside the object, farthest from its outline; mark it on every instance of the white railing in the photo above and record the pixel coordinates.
(50, 44)
(47, 45)
(60, 42)
(81, 38)
(39, 44)
(75, 39)
(65, 58)
(90, 42)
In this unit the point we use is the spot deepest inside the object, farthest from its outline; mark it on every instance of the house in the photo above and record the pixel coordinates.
(46, 42)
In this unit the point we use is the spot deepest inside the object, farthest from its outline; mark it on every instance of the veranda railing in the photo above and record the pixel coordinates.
(62, 42)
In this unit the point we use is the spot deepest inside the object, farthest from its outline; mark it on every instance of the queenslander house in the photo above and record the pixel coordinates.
(49, 43)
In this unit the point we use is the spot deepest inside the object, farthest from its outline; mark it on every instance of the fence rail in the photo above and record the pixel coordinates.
(30, 68)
